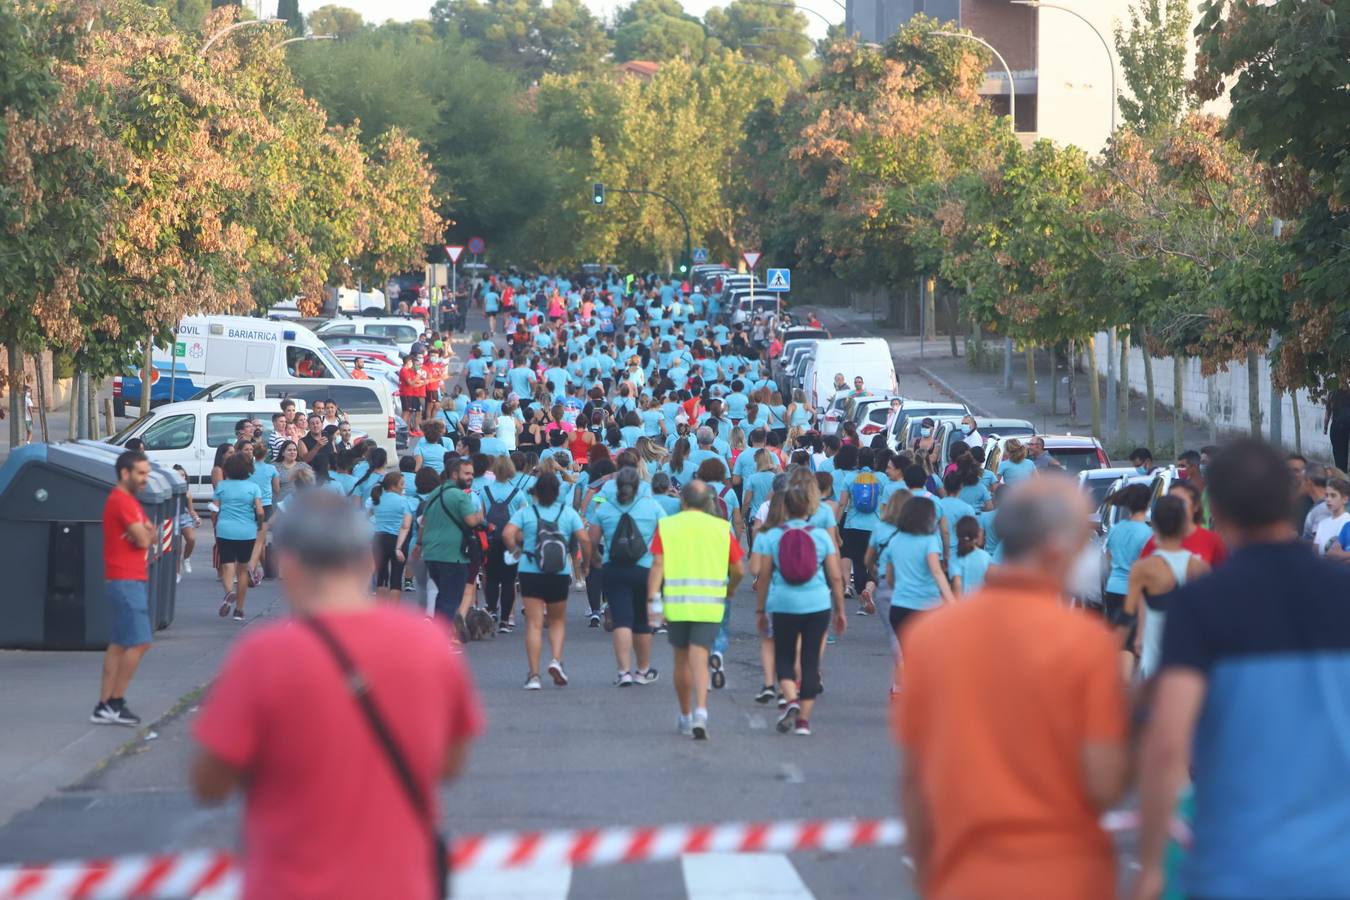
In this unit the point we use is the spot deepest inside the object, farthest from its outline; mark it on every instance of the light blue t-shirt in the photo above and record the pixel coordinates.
(263, 473)
(977, 495)
(521, 379)
(915, 587)
(728, 495)
(237, 519)
(758, 487)
(499, 493)
(1012, 472)
(527, 520)
(1125, 542)
(736, 404)
(809, 597)
(387, 515)
(645, 512)
(476, 367)
(971, 569)
(852, 517)
(952, 510)
(433, 455)
(670, 504)
(744, 466)
(992, 542)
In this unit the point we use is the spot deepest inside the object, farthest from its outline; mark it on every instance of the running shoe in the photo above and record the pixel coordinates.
(661, 629)
(766, 694)
(647, 677)
(803, 727)
(187, 566)
(226, 604)
(121, 713)
(782, 702)
(685, 725)
(595, 620)
(555, 671)
(532, 683)
(869, 606)
(788, 720)
(103, 714)
(238, 614)
(506, 627)
(625, 679)
(700, 726)
(830, 638)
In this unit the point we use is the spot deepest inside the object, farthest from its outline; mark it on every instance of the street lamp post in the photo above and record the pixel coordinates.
(805, 9)
(248, 23)
(308, 37)
(1111, 64)
(1012, 122)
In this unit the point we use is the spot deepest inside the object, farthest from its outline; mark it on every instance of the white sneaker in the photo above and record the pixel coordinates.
(532, 683)
(555, 671)
(685, 725)
(700, 726)
(187, 566)
(625, 679)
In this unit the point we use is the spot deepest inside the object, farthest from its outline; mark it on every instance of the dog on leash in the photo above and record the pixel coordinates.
(479, 625)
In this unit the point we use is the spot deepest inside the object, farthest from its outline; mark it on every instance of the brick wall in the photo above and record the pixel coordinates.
(1229, 411)
(1011, 29)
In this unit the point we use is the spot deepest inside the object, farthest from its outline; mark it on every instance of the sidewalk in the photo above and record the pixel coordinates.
(48, 695)
(983, 391)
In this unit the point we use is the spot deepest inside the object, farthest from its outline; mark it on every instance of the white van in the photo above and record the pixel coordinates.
(187, 434)
(208, 349)
(368, 403)
(853, 357)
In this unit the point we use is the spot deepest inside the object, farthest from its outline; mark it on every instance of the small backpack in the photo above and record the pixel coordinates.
(865, 493)
(797, 559)
(627, 546)
(499, 512)
(723, 509)
(550, 547)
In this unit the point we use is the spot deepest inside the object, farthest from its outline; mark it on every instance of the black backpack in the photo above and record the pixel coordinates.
(627, 546)
(550, 546)
(499, 512)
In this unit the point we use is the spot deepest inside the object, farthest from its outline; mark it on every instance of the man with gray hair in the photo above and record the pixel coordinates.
(1015, 692)
(347, 685)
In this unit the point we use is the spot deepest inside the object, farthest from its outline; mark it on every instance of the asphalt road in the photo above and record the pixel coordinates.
(587, 755)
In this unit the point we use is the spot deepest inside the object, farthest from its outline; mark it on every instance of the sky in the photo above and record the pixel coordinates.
(403, 10)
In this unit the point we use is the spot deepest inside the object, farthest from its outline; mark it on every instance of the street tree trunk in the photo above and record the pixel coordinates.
(952, 302)
(1054, 379)
(1178, 397)
(1123, 393)
(16, 428)
(1150, 417)
(1212, 408)
(41, 397)
(1094, 388)
(1073, 367)
(1254, 393)
(74, 405)
(147, 367)
(1298, 427)
(1031, 373)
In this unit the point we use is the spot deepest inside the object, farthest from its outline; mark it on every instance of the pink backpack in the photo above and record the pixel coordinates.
(797, 559)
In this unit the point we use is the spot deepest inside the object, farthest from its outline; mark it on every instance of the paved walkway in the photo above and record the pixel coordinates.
(984, 393)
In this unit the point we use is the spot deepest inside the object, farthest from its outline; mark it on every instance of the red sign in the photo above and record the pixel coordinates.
(477, 245)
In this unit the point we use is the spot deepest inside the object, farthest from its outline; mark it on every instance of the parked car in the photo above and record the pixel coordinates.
(912, 413)
(868, 358)
(404, 330)
(869, 414)
(949, 432)
(1098, 483)
(1074, 453)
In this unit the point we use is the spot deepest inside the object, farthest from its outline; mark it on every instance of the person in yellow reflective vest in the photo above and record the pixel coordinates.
(699, 560)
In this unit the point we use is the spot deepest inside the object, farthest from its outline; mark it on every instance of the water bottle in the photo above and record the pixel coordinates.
(656, 605)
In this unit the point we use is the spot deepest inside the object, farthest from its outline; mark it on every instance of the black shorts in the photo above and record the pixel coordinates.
(433, 396)
(234, 551)
(412, 404)
(1113, 605)
(902, 615)
(549, 588)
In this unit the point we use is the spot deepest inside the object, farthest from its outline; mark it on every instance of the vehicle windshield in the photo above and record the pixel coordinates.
(1097, 489)
(206, 392)
(1076, 459)
(125, 433)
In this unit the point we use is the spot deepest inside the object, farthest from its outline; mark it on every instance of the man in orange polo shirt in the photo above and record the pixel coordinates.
(1012, 722)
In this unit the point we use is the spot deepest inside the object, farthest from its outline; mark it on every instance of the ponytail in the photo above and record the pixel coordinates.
(388, 483)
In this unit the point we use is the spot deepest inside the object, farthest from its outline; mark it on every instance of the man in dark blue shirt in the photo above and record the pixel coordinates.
(1253, 698)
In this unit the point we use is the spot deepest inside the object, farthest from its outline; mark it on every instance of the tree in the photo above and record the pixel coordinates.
(1287, 64)
(190, 15)
(290, 11)
(1152, 53)
(338, 20)
(527, 36)
(775, 31)
(658, 30)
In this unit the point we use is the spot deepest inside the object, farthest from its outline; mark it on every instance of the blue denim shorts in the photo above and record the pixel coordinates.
(130, 620)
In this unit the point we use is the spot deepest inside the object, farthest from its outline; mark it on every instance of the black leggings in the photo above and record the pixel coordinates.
(810, 628)
(595, 588)
(388, 568)
(1340, 441)
(855, 550)
(500, 581)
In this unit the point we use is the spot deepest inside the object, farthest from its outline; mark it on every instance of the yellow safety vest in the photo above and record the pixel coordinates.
(695, 547)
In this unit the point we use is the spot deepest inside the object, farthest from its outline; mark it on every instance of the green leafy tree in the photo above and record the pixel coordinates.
(338, 20)
(290, 11)
(760, 31)
(1152, 54)
(189, 15)
(658, 30)
(527, 36)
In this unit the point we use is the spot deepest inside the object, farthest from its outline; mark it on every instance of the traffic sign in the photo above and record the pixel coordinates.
(779, 280)
(751, 258)
(700, 255)
(477, 245)
(454, 253)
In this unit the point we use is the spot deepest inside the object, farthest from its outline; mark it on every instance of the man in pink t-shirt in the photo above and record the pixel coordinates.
(326, 815)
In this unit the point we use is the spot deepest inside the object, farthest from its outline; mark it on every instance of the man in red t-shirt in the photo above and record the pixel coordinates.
(325, 813)
(412, 389)
(127, 535)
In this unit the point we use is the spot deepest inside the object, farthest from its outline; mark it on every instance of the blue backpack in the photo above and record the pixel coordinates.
(865, 493)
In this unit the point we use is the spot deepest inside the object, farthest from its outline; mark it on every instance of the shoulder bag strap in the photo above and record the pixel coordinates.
(359, 688)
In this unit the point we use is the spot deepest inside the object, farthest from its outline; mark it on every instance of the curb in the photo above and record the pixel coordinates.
(953, 392)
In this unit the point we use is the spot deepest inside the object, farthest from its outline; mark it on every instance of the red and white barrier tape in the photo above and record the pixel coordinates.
(192, 872)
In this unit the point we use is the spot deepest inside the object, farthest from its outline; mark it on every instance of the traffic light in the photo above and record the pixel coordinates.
(598, 194)
(684, 267)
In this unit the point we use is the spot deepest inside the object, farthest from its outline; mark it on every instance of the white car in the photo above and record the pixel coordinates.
(403, 329)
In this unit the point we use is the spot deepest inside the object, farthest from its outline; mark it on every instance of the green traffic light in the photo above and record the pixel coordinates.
(598, 193)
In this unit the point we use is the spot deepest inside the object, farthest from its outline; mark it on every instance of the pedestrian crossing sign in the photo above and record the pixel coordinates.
(700, 255)
(779, 280)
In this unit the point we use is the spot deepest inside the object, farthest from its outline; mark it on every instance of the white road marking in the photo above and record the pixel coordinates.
(742, 876)
(520, 884)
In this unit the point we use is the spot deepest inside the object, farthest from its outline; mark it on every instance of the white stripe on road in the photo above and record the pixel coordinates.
(742, 876)
(518, 884)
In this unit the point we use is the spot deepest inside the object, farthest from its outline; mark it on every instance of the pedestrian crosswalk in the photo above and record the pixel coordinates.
(707, 876)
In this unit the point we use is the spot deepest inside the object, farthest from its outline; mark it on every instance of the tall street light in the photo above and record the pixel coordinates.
(248, 23)
(1012, 122)
(308, 37)
(1111, 64)
(805, 9)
